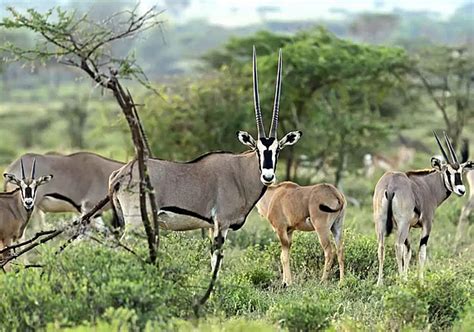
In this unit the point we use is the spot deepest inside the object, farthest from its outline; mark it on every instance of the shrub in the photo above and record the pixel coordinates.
(303, 314)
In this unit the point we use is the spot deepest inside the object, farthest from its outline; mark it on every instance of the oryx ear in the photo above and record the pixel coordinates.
(11, 178)
(246, 139)
(44, 179)
(437, 163)
(467, 166)
(289, 139)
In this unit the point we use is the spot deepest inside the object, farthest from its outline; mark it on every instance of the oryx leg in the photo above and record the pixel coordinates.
(3, 245)
(425, 234)
(285, 241)
(218, 240)
(407, 258)
(337, 229)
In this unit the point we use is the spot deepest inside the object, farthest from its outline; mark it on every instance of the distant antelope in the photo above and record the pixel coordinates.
(16, 206)
(80, 180)
(372, 162)
(406, 200)
(319, 208)
(217, 190)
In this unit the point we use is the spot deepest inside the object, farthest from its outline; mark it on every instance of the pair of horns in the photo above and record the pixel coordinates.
(33, 168)
(256, 99)
(452, 151)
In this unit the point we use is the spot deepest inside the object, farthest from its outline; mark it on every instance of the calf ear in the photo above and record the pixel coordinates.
(246, 139)
(436, 163)
(290, 138)
(11, 178)
(44, 179)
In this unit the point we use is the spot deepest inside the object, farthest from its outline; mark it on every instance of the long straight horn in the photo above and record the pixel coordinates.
(452, 152)
(22, 169)
(33, 169)
(445, 155)
(276, 104)
(256, 98)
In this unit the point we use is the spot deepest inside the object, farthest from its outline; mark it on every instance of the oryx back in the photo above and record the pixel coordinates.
(193, 195)
(80, 179)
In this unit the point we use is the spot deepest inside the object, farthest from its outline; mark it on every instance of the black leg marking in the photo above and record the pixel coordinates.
(424, 240)
(407, 244)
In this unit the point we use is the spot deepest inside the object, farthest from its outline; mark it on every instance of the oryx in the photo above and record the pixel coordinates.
(80, 180)
(16, 206)
(469, 205)
(406, 200)
(216, 190)
(320, 208)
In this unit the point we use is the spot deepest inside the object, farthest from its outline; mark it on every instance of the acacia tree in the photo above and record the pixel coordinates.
(333, 90)
(76, 41)
(447, 74)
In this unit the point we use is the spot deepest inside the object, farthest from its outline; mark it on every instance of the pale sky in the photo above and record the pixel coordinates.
(243, 12)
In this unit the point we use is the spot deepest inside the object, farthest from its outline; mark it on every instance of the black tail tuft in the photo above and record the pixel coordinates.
(389, 223)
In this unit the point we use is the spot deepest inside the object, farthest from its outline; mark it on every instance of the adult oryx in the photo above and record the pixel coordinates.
(80, 180)
(406, 200)
(319, 208)
(16, 206)
(216, 190)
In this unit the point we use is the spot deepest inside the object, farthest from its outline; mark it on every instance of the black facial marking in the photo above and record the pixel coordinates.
(457, 179)
(28, 192)
(267, 159)
(267, 142)
(424, 240)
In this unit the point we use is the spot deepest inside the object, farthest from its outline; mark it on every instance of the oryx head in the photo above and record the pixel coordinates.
(451, 168)
(28, 185)
(267, 148)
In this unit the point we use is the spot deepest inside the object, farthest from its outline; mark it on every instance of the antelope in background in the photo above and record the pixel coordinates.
(319, 208)
(217, 190)
(406, 200)
(16, 206)
(80, 180)
(372, 162)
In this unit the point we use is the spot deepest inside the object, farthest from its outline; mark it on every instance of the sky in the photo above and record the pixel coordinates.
(244, 12)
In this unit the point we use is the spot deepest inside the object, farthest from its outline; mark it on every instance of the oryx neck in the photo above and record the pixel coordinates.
(437, 186)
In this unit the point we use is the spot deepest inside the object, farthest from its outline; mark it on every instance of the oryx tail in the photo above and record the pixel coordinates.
(389, 220)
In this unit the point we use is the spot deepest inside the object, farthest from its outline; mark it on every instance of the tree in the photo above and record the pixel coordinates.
(332, 90)
(78, 42)
(447, 74)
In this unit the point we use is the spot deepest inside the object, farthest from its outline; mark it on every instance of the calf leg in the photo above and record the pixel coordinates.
(285, 241)
(323, 235)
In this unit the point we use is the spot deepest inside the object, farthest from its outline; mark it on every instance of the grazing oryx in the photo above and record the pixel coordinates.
(319, 208)
(80, 180)
(406, 200)
(16, 206)
(217, 190)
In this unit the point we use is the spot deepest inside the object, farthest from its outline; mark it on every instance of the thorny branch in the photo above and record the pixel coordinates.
(83, 44)
(38, 239)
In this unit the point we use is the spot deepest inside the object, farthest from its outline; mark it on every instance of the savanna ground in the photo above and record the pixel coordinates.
(99, 286)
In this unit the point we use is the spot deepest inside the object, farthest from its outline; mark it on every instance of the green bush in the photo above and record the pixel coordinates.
(303, 314)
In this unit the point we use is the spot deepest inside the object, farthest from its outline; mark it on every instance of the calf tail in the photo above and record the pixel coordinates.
(389, 221)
